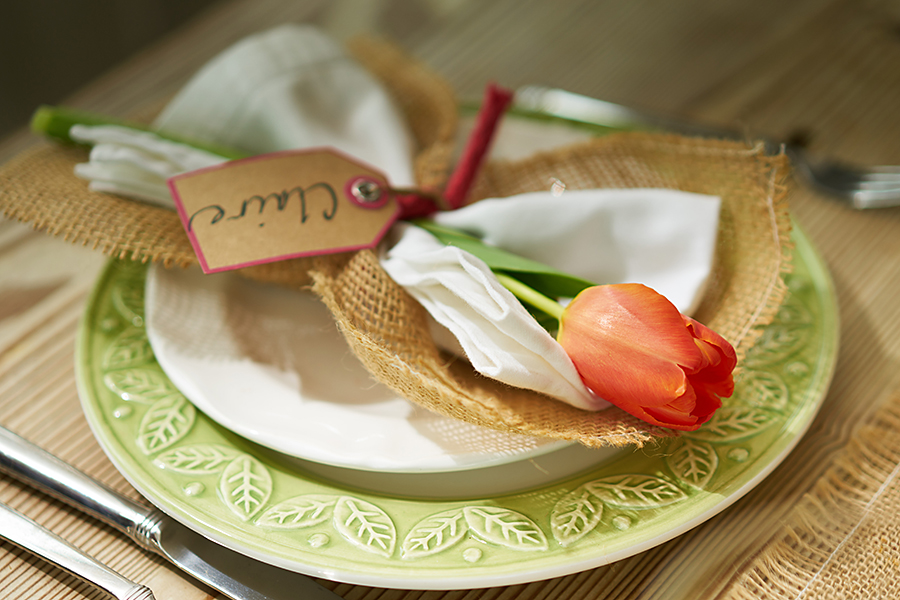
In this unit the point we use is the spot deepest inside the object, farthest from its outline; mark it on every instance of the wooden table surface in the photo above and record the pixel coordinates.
(826, 71)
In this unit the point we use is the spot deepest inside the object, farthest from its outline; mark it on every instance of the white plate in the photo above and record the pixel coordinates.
(269, 364)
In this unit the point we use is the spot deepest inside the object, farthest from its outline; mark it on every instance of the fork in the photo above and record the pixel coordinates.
(873, 187)
(25, 533)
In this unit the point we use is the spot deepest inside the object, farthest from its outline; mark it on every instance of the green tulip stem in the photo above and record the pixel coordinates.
(56, 121)
(531, 296)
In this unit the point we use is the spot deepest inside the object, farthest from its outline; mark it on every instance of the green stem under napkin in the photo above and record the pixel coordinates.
(56, 121)
(531, 296)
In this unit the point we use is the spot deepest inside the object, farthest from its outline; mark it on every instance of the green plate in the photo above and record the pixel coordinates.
(272, 509)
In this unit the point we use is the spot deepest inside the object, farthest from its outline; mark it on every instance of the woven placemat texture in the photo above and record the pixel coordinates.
(842, 540)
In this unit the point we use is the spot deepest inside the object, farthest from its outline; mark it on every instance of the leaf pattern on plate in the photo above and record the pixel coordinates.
(635, 490)
(365, 525)
(693, 462)
(763, 389)
(197, 459)
(166, 421)
(794, 313)
(129, 349)
(777, 342)
(575, 515)
(435, 533)
(139, 385)
(505, 527)
(732, 423)
(245, 486)
(298, 512)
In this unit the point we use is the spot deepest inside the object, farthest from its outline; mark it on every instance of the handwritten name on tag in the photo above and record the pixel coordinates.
(282, 205)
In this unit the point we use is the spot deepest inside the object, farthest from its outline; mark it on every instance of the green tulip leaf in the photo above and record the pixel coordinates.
(538, 276)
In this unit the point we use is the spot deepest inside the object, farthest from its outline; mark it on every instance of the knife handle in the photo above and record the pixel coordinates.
(40, 469)
(18, 529)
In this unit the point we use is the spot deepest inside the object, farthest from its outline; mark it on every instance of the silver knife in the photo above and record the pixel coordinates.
(231, 573)
(18, 529)
(593, 111)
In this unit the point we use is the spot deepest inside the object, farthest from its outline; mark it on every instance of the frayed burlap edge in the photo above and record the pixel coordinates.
(842, 540)
(753, 247)
(387, 329)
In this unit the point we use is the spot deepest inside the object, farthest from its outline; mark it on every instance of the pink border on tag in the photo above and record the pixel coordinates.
(195, 244)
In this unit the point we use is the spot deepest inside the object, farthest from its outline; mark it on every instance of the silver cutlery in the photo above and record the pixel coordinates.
(873, 187)
(18, 529)
(234, 575)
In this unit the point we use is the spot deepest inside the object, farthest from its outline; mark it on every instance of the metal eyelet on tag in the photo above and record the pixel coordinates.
(366, 192)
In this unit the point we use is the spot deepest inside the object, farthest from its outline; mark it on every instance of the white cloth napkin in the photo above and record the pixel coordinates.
(286, 88)
(498, 336)
(134, 163)
(664, 239)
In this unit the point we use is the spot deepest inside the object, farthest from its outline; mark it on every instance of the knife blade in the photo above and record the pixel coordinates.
(18, 529)
(233, 574)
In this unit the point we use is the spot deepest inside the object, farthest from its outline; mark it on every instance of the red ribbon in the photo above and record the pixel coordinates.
(496, 100)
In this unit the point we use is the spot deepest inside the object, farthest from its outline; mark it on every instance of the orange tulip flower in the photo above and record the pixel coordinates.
(633, 348)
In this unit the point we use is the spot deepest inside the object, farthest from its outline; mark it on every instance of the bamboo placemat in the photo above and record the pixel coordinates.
(829, 69)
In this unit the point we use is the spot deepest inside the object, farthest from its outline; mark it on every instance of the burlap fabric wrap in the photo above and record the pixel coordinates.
(842, 540)
(384, 326)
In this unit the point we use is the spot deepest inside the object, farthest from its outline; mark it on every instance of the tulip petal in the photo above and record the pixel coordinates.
(673, 419)
(707, 404)
(642, 318)
(711, 355)
(721, 388)
(678, 415)
(622, 375)
(687, 413)
(709, 342)
(628, 343)
(632, 347)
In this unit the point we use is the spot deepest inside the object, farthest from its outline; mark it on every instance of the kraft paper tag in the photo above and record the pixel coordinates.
(282, 205)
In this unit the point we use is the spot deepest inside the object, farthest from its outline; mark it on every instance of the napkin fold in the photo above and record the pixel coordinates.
(497, 334)
(287, 88)
(135, 163)
(662, 238)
